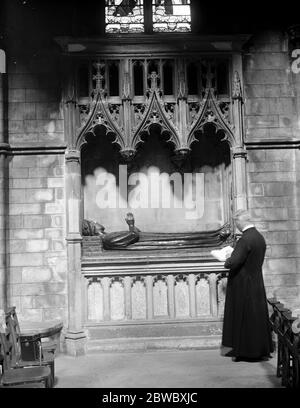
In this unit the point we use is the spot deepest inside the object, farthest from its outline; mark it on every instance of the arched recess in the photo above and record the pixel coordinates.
(106, 172)
(166, 192)
(212, 153)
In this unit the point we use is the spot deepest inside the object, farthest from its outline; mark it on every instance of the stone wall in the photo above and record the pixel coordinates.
(35, 210)
(271, 116)
(36, 247)
(272, 199)
(2, 194)
(270, 108)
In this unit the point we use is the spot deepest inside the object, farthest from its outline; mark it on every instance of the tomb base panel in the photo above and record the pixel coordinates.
(154, 336)
(158, 300)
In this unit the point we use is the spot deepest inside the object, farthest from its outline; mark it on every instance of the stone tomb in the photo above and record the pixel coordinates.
(162, 297)
(167, 146)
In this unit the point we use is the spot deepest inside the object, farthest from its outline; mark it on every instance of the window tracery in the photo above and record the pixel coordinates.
(129, 16)
(124, 16)
(171, 15)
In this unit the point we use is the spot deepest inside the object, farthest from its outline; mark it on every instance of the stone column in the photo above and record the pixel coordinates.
(128, 301)
(239, 154)
(171, 296)
(192, 286)
(212, 281)
(75, 336)
(149, 289)
(106, 298)
(183, 107)
(4, 148)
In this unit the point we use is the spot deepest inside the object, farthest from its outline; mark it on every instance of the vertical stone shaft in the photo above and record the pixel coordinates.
(149, 287)
(212, 280)
(192, 294)
(106, 298)
(128, 308)
(240, 178)
(75, 337)
(239, 153)
(171, 296)
(85, 299)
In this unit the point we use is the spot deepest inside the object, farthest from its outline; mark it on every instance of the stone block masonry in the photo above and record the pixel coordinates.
(270, 99)
(37, 246)
(273, 200)
(34, 109)
(36, 212)
(271, 114)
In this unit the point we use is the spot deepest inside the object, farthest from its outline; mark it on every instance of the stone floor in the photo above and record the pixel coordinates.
(163, 369)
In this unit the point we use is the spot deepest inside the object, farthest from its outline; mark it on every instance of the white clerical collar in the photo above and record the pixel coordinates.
(247, 227)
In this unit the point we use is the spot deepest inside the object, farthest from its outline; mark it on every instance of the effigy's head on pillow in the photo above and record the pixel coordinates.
(92, 228)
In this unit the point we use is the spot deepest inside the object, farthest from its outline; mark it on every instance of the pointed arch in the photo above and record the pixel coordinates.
(155, 114)
(100, 116)
(210, 112)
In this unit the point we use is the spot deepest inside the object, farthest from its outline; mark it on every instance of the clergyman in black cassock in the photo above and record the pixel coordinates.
(246, 326)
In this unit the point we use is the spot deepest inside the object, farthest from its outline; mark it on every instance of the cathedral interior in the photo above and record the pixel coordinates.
(131, 131)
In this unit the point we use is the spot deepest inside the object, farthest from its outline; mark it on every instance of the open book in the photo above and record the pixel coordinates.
(222, 254)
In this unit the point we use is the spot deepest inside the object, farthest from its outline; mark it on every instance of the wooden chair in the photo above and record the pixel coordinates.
(28, 349)
(17, 377)
(49, 346)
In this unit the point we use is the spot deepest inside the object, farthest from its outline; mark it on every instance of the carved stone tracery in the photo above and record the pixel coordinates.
(212, 111)
(129, 120)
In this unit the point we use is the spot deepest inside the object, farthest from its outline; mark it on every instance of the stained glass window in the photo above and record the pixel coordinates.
(127, 16)
(171, 15)
(124, 16)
